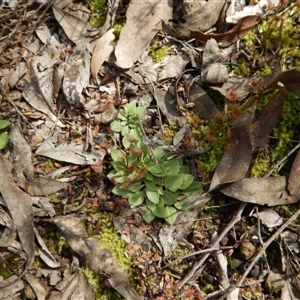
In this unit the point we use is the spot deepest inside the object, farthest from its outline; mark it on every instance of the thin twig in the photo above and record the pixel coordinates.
(262, 250)
(195, 271)
(284, 159)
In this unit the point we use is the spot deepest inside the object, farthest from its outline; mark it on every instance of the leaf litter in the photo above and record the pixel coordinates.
(50, 81)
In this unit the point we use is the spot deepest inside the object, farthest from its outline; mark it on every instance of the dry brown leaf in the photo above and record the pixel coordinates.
(103, 48)
(237, 155)
(269, 191)
(77, 74)
(200, 19)
(76, 28)
(290, 80)
(294, 182)
(140, 28)
(205, 106)
(19, 205)
(267, 120)
(227, 38)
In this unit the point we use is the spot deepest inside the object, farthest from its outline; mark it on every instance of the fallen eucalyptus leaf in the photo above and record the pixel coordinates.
(77, 74)
(269, 191)
(140, 28)
(269, 217)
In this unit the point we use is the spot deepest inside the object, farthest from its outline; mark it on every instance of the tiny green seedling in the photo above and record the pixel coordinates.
(154, 178)
(3, 135)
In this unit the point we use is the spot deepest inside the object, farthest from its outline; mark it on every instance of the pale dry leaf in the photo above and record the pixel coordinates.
(70, 152)
(258, 9)
(41, 186)
(202, 19)
(37, 285)
(141, 26)
(213, 71)
(19, 205)
(172, 66)
(237, 84)
(8, 234)
(269, 217)
(74, 27)
(101, 52)
(22, 158)
(269, 191)
(77, 74)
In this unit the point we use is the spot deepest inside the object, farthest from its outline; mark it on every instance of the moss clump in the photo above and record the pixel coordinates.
(100, 293)
(109, 239)
(284, 134)
(98, 12)
(158, 52)
(277, 33)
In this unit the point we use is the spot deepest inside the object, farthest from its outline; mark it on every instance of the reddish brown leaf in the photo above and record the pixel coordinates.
(267, 120)
(237, 155)
(294, 183)
(227, 38)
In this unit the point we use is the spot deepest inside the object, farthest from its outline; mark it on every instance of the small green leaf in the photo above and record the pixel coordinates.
(173, 182)
(181, 205)
(128, 140)
(3, 140)
(4, 124)
(159, 153)
(149, 176)
(170, 214)
(130, 108)
(193, 189)
(122, 115)
(158, 210)
(150, 186)
(168, 198)
(140, 110)
(116, 126)
(119, 191)
(119, 165)
(116, 176)
(125, 130)
(184, 169)
(155, 169)
(187, 181)
(135, 199)
(135, 187)
(153, 196)
(171, 166)
(117, 154)
(148, 216)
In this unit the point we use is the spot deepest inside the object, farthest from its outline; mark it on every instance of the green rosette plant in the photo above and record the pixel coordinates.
(154, 178)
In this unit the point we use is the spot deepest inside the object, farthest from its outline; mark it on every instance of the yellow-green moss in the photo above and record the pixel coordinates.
(158, 52)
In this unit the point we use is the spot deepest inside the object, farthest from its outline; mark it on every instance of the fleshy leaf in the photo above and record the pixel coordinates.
(173, 182)
(153, 196)
(148, 216)
(135, 199)
(193, 189)
(3, 140)
(4, 124)
(187, 181)
(168, 198)
(170, 214)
